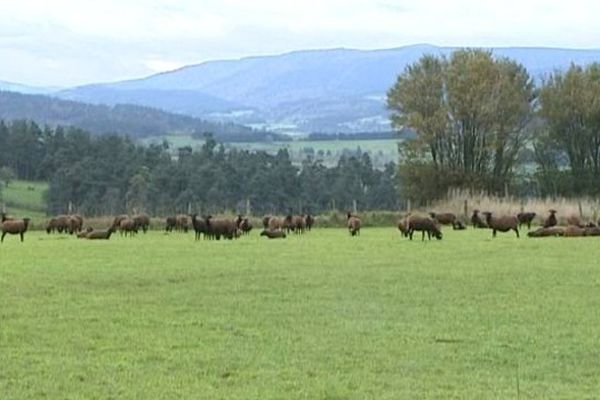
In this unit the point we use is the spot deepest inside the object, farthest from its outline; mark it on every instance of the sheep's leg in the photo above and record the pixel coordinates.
(517, 232)
(410, 234)
(21, 233)
(422, 236)
(494, 233)
(3, 234)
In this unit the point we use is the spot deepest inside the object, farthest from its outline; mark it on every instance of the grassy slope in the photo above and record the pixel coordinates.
(323, 316)
(24, 199)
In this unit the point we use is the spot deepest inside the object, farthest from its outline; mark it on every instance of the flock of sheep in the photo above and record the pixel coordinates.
(205, 226)
(279, 227)
(431, 225)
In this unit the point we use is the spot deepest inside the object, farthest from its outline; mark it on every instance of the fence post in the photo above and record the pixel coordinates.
(70, 207)
(248, 207)
(580, 208)
(189, 208)
(354, 206)
(466, 208)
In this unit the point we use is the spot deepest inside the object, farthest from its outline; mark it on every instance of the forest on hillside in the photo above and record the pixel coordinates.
(106, 175)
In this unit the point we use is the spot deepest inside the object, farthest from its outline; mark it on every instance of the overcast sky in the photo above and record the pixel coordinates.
(68, 42)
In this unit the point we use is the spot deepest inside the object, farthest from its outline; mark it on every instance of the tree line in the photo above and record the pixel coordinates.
(107, 175)
(482, 123)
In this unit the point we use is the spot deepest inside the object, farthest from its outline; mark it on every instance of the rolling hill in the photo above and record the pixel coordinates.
(338, 90)
(132, 120)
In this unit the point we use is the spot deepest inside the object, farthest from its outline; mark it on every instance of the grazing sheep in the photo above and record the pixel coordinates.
(142, 221)
(424, 224)
(75, 223)
(502, 224)
(310, 221)
(199, 226)
(128, 226)
(295, 223)
(273, 234)
(265, 221)
(101, 234)
(275, 223)
(403, 227)
(171, 223)
(476, 220)
(551, 220)
(217, 228)
(14, 227)
(526, 218)
(182, 222)
(443, 218)
(547, 232)
(60, 224)
(117, 220)
(353, 224)
(243, 224)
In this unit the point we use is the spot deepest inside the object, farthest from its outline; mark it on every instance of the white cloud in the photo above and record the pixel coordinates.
(68, 41)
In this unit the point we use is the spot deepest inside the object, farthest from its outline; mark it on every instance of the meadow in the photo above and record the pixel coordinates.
(320, 316)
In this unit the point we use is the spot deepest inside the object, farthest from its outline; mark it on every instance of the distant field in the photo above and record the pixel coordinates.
(385, 149)
(25, 199)
(322, 316)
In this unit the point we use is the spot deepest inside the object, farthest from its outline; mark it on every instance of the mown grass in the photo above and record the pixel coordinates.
(323, 316)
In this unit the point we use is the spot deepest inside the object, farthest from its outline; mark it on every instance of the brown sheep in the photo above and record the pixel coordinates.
(265, 221)
(551, 220)
(424, 224)
(502, 224)
(353, 224)
(101, 234)
(310, 221)
(83, 234)
(443, 218)
(117, 220)
(217, 228)
(243, 224)
(60, 224)
(546, 232)
(183, 223)
(199, 226)
(273, 234)
(75, 223)
(403, 227)
(526, 218)
(295, 223)
(574, 231)
(476, 220)
(275, 223)
(142, 221)
(128, 226)
(171, 223)
(14, 227)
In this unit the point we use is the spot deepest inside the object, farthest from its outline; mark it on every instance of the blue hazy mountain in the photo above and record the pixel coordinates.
(338, 90)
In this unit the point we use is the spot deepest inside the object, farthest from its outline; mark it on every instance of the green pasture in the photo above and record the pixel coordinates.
(319, 316)
(25, 199)
(387, 147)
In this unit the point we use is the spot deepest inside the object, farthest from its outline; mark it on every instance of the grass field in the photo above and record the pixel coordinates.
(384, 149)
(323, 316)
(25, 198)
